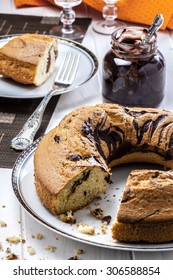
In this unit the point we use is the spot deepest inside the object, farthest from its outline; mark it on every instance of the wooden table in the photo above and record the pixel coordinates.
(19, 223)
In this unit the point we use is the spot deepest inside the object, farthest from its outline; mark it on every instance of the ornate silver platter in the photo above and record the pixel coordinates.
(24, 188)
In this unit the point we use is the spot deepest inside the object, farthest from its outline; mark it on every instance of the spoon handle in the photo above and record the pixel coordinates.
(158, 21)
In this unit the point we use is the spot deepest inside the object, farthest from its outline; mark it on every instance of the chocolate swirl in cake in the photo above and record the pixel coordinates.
(145, 124)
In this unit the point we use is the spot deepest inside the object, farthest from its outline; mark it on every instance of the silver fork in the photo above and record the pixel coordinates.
(64, 78)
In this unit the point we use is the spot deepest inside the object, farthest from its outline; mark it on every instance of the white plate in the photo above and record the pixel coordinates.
(87, 69)
(23, 186)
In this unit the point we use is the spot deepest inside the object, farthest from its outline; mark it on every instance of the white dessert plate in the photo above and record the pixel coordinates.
(24, 189)
(87, 69)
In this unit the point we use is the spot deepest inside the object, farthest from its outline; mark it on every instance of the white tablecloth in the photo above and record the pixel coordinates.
(19, 223)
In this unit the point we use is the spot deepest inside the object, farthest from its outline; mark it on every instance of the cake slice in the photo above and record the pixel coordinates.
(146, 209)
(29, 58)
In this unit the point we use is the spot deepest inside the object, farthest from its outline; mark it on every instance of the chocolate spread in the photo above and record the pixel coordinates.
(133, 73)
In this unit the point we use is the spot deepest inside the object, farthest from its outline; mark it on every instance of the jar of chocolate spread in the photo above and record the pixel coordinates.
(133, 72)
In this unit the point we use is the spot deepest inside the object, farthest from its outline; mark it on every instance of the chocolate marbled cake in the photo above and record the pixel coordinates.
(72, 162)
(133, 134)
(146, 209)
(29, 58)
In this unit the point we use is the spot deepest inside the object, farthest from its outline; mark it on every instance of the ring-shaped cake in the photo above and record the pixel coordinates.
(72, 165)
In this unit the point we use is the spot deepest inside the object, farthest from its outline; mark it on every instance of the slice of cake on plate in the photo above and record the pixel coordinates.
(29, 58)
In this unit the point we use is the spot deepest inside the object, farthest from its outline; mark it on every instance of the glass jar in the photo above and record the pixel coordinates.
(133, 73)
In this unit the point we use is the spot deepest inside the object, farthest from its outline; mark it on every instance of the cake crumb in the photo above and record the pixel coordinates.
(8, 250)
(1, 248)
(74, 258)
(104, 228)
(97, 213)
(3, 224)
(13, 239)
(78, 251)
(86, 229)
(31, 250)
(50, 248)
(68, 218)
(39, 236)
(12, 257)
(106, 219)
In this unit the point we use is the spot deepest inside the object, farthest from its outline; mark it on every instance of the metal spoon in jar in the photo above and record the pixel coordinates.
(157, 23)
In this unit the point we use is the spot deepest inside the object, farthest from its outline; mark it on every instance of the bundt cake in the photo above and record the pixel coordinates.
(72, 164)
(29, 58)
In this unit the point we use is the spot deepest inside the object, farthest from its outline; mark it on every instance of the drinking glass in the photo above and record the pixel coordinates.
(109, 13)
(67, 18)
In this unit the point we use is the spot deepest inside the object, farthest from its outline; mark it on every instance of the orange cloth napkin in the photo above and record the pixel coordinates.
(129, 10)
(20, 3)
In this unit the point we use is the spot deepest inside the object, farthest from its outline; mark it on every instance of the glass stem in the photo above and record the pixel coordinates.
(67, 17)
(110, 14)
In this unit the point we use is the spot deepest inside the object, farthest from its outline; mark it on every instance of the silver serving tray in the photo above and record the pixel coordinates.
(24, 189)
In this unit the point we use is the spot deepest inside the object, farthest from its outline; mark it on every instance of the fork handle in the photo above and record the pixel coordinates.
(26, 135)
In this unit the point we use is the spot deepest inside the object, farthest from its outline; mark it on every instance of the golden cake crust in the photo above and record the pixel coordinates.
(147, 197)
(30, 46)
(150, 232)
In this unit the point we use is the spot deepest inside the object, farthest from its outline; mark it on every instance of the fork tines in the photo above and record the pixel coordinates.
(68, 69)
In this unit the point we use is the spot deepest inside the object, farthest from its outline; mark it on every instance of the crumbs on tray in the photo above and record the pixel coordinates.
(31, 250)
(86, 229)
(68, 218)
